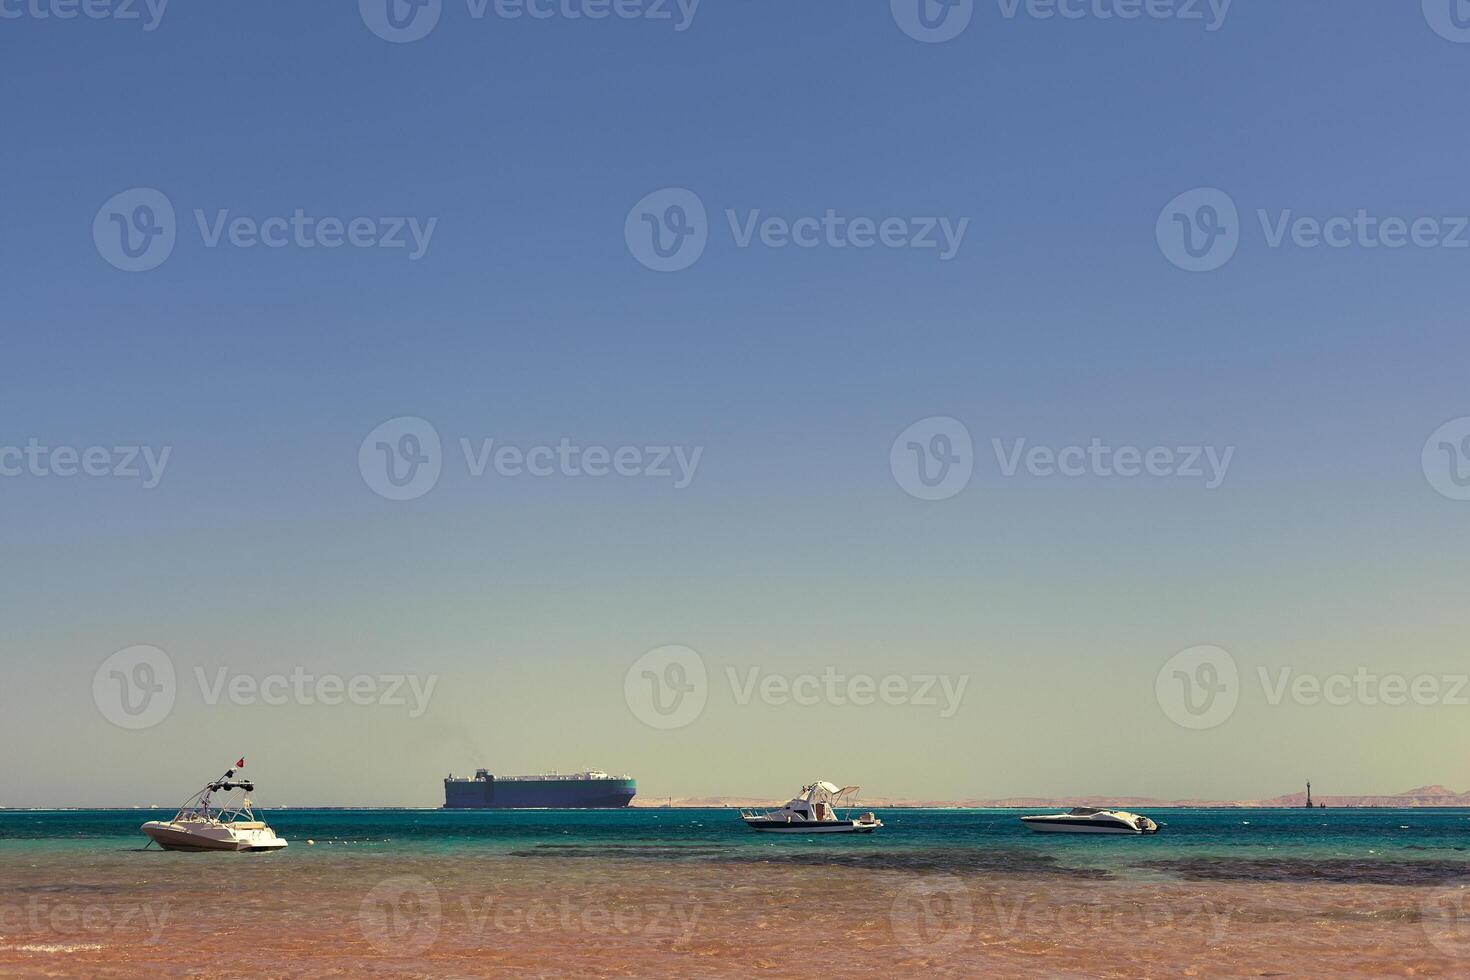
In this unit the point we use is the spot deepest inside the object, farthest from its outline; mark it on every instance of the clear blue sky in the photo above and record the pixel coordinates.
(528, 320)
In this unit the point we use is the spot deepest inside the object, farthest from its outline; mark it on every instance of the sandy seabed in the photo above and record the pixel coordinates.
(352, 912)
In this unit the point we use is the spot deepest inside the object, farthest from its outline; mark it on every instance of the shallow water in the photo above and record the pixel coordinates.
(693, 893)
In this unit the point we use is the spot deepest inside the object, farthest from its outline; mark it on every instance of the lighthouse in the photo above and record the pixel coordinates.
(1309, 794)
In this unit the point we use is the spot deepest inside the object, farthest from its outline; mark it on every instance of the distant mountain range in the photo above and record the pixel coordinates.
(1424, 796)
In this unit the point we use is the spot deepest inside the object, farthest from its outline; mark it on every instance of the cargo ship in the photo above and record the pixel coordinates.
(594, 790)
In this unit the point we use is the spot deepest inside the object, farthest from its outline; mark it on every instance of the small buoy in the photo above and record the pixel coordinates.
(310, 842)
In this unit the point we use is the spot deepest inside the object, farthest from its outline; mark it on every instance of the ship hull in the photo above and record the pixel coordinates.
(539, 794)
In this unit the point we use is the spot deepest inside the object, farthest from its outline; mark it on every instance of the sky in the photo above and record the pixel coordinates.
(963, 402)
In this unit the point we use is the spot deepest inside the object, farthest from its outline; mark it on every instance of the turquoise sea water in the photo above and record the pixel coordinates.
(1410, 847)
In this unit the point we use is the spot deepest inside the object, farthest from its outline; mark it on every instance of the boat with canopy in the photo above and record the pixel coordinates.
(814, 812)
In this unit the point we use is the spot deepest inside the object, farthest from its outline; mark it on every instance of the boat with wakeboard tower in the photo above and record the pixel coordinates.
(205, 824)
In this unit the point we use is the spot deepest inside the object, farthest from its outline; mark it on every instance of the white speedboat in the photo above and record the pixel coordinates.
(202, 824)
(814, 812)
(1087, 820)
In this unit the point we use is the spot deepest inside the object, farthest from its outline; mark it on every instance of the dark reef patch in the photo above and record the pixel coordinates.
(1340, 871)
(1013, 863)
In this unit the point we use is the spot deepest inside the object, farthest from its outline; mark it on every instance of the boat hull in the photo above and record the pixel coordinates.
(1082, 827)
(174, 837)
(812, 827)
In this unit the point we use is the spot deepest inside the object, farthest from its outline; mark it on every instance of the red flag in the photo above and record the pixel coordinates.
(241, 763)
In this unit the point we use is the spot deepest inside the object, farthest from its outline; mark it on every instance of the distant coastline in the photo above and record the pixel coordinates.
(1425, 797)
(1422, 797)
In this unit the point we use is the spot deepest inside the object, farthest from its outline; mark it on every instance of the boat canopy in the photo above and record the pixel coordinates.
(822, 791)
